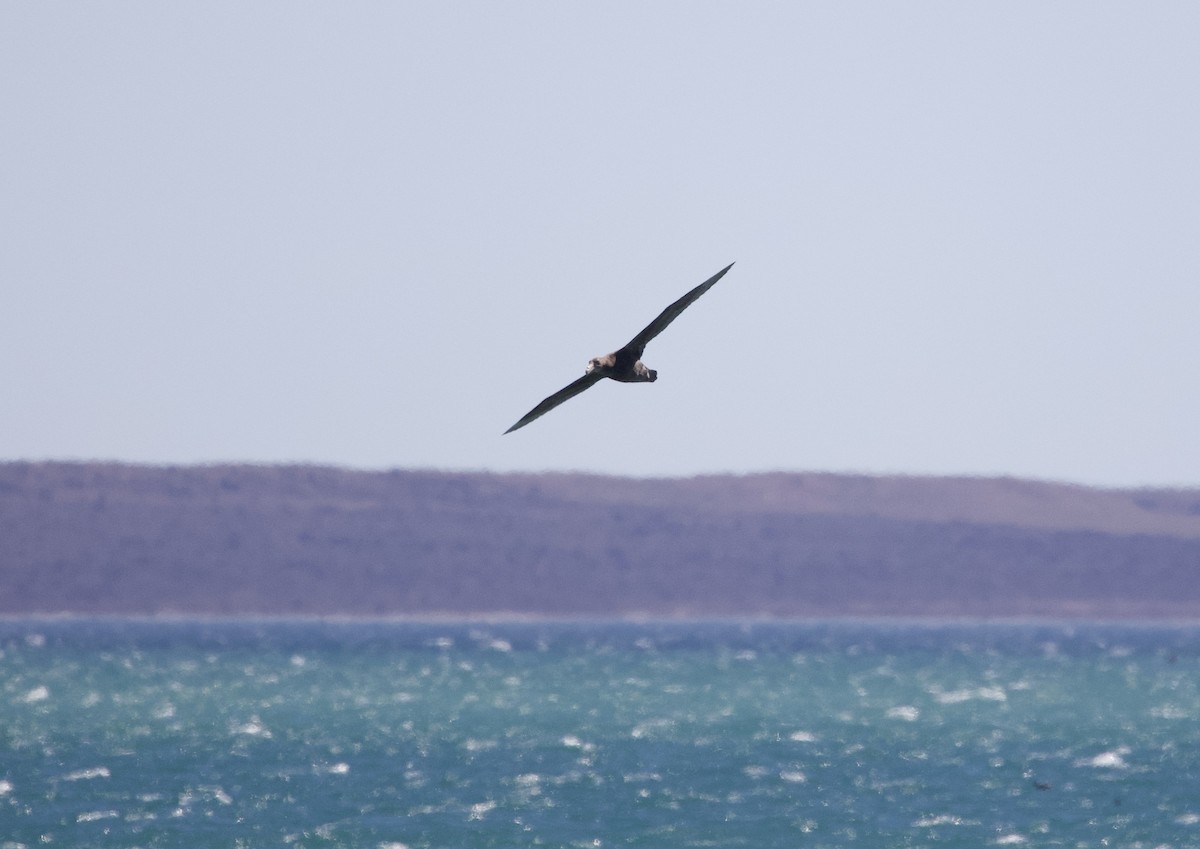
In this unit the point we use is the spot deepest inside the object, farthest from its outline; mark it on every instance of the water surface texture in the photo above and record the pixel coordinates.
(224, 734)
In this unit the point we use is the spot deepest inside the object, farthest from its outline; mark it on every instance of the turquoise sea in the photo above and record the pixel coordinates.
(117, 733)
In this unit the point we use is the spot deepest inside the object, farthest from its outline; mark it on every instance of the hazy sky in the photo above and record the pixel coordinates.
(375, 234)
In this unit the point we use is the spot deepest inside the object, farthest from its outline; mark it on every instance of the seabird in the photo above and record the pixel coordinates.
(625, 364)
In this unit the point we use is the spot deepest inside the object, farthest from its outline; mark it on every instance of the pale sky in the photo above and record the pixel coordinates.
(967, 235)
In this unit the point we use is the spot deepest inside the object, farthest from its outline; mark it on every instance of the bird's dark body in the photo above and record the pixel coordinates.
(622, 366)
(625, 364)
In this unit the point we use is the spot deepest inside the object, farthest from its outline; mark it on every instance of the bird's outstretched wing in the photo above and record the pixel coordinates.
(565, 394)
(638, 343)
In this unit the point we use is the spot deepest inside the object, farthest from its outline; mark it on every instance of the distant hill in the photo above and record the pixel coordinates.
(301, 540)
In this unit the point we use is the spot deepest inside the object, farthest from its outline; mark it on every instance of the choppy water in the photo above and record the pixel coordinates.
(389, 735)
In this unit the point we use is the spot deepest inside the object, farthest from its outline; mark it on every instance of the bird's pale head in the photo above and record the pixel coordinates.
(601, 364)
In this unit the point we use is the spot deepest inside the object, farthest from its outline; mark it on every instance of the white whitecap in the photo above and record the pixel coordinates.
(92, 816)
(793, 776)
(906, 712)
(650, 726)
(641, 776)
(802, 737)
(205, 791)
(393, 844)
(500, 645)
(37, 694)
(1188, 819)
(573, 742)
(86, 774)
(940, 819)
(5, 787)
(253, 728)
(1010, 840)
(480, 809)
(1107, 760)
(950, 697)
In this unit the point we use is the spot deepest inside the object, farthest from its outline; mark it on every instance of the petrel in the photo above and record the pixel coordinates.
(624, 364)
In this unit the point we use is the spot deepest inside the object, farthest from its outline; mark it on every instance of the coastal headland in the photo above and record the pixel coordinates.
(246, 540)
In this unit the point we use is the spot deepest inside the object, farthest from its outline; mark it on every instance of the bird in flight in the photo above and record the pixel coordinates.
(625, 364)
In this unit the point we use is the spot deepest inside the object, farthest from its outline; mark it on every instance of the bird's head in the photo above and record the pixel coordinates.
(601, 364)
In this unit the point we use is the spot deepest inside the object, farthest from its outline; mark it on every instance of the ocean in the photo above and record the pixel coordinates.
(143, 733)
